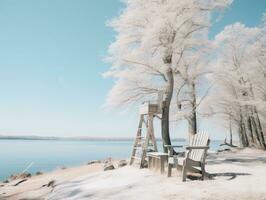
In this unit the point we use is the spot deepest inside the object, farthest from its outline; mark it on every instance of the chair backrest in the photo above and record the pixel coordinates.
(200, 139)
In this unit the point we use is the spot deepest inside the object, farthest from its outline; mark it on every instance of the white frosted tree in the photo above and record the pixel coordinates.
(240, 82)
(154, 40)
(192, 86)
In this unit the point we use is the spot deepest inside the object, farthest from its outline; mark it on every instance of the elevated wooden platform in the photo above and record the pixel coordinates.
(148, 108)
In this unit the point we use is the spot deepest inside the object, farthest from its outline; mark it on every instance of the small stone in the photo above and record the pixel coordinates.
(51, 183)
(20, 176)
(108, 166)
(223, 150)
(227, 149)
(93, 162)
(39, 173)
(12, 177)
(122, 163)
(6, 181)
(24, 175)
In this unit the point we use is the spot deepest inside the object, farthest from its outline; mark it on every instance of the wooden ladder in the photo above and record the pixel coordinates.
(143, 144)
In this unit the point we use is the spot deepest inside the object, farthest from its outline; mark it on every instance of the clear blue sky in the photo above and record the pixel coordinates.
(51, 60)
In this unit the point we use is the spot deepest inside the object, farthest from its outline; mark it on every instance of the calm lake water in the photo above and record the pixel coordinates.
(46, 155)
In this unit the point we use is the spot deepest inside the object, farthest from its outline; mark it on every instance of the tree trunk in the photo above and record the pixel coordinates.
(255, 132)
(250, 132)
(257, 123)
(248, 128)
(231, 131)
(166, 109)
(259, 128)
(242, 131)
(241, 136)
(192, 120)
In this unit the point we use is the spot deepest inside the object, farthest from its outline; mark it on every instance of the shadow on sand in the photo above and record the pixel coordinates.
(216, 159)
(230, 175)
(212, 176)
(212, 159)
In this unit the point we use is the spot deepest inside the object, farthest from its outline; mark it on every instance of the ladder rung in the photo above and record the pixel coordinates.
(136, 157)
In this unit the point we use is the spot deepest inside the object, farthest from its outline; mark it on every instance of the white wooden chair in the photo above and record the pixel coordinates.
(195, 156)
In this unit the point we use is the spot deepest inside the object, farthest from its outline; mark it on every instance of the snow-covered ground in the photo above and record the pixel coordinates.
(235, 175)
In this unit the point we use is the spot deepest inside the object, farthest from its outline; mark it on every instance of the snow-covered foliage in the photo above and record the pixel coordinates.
(240, 75)
(148, 32)
(163, 45)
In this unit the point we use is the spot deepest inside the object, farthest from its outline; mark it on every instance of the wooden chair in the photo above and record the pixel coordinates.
(195, 156)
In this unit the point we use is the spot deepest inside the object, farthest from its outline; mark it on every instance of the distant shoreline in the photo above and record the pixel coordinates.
(75, 138)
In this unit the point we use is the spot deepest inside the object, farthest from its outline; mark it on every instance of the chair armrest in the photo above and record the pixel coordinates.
(197, 147)
(173, 146)
(155, 154)
(171, 149)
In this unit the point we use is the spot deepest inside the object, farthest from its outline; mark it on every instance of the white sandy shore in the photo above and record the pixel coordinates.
(235, 175)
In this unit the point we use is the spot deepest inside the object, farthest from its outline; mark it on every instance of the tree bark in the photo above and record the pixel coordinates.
(257, 122)
(192, 120)
(248, 128)
(242, 132)
(230, 130)
(255, 132)
(260, 130)
(166, 108)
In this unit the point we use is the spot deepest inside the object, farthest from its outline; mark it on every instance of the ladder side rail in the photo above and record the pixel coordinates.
(137, 139)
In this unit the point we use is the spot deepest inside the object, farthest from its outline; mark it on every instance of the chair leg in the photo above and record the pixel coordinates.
(152, 163)
(169, 170)
(157, 164)
(203, 172)
(162, 165)
(149, 162)
(184, 172)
